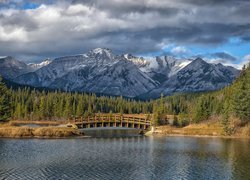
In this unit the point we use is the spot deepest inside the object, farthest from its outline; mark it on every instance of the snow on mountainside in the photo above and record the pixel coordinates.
(11, 68)
(101, 71)
(159, 68)
(122, 78)
(98, 71)
(150, 64)
(139, 61)
(40, 65)
(196, 76)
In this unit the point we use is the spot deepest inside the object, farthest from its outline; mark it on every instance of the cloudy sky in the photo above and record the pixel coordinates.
(217, 30)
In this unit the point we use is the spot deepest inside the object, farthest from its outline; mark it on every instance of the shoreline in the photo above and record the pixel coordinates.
(200, 136)
(47, 132)
(209, 129)
(53, 130)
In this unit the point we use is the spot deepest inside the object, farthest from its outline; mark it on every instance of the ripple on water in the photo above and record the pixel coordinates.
(125, 158)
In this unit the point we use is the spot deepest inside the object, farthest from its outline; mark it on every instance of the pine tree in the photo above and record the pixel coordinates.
(202, 110)
(79, 109)
(241, 97)
(18, 111)
(68, 107)
(42, 108)
(5, 102)
(156, 116)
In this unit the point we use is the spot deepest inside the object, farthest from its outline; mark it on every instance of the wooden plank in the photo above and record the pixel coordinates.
(139, 120)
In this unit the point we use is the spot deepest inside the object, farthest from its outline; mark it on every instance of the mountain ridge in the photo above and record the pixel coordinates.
(101, 71)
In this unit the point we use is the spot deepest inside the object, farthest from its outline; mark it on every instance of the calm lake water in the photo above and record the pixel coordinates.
(125, 158)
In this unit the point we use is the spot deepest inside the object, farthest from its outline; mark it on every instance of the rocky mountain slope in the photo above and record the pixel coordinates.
(98, 71)
(36, 66)
(198, 75)
(11, 68)
(101, 71)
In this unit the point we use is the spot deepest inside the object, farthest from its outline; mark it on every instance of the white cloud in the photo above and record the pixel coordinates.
(178, 50)
(141, 26)
(247, 58)
(78, 8)
(224, 62)
(13, 34)
(245, 61)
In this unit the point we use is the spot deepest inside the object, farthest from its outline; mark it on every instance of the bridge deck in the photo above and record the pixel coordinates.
(116, 120)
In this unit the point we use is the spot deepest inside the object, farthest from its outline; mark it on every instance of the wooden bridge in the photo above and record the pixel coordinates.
(142, 122)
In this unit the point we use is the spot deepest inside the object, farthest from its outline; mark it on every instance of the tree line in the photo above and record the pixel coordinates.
(35, 105)
(232, 102)
(230, 105)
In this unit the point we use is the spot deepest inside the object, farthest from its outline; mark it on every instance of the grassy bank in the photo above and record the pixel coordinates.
(10, 131)
(44, 123)
(50, 130)
(202, 129)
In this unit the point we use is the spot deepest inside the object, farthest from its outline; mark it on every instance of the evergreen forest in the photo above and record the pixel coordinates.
(231, 102)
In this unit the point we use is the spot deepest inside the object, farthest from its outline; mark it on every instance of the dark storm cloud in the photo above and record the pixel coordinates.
(69, 27)
(225, 56)
(24, 21)
(214, 2)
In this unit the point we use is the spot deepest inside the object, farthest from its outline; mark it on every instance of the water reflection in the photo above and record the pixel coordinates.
(125, 158)
(111, 132)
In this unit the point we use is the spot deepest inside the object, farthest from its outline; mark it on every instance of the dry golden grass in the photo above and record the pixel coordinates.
(243, 131)
(203, 129)
(15, 132)
(210, 129)
(52, 132)
(47, 123)
(4, 124)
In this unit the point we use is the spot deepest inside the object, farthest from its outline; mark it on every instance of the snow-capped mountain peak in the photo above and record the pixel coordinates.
(100, 71)
(139, 61)
(101, 53)
(164, 66)
(45, 62)
(41, 64)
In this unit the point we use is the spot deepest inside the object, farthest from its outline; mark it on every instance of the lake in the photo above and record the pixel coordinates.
(136, 157)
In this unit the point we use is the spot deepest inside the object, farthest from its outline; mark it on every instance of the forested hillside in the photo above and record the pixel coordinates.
(229, 104)
(35, 105)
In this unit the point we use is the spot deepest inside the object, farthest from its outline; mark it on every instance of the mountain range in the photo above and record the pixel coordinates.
(101, 71)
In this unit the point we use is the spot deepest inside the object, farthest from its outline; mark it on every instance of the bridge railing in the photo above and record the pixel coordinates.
(113, 118)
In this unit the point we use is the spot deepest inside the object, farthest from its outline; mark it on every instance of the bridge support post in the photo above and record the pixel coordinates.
(102, 121)
(133, 124)
(115, 122)
(109, 123)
